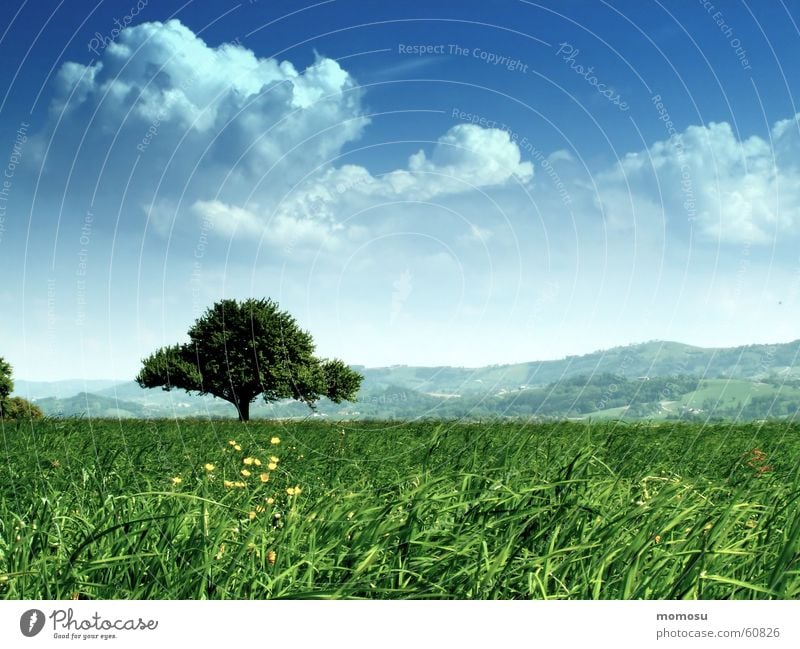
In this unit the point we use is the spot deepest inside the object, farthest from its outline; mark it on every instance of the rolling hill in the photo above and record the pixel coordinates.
(648, 380)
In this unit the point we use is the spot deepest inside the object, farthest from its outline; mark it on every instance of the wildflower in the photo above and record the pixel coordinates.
(221, 551)
(237, 447)
(271, 556)
(658, 538)
(239, 484)
(209, 467)
(177, 480)
(55, 464)
(293, 491)
(251, 515)
(256, 461)
(272, 458)
(232, 442)
(260, 509)
(234, 485)
(272, 466)
(227, 483)
(269, 500)
(245, 473)
(264, 477)
(275, 440)
(350, 515)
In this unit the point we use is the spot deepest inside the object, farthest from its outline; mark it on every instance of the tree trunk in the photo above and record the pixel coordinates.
(243, 408)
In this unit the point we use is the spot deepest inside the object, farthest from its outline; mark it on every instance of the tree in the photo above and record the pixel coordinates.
(19, 408)
(14, 407)
(240, 350)
(6, 384)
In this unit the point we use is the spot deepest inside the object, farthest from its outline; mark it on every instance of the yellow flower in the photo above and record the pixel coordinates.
(256, 461)
(239, 484)
(209, 467)
(293, 491)
(274, 459)
(272, 466)
(264, 477)
(248, 461)
(251, 515)
(232, 442)
(275, 440)
(269, 500)
(350, 515)
(260, 509)
(245, 473)
(658, 538)
(177, 480)
(271, 556)
(228, 484)
(237, 447)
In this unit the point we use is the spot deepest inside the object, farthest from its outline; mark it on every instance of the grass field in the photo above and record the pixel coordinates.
(108, 509)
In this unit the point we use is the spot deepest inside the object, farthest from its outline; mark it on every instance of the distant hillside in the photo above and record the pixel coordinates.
(90, 405)
(643, 360)
(69, 388)
(648, 380)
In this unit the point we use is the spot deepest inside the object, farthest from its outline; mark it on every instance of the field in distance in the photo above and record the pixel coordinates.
(185, 509)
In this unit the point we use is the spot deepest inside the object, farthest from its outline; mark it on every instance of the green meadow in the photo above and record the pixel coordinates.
(316, 509)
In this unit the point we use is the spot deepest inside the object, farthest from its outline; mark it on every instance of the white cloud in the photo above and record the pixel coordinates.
(464, 159)
(223, 103)
(249, 141)
(730, 189)
(466, 156)
(283, 230)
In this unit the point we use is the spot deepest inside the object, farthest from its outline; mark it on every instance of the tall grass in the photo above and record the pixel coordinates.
(108, 509)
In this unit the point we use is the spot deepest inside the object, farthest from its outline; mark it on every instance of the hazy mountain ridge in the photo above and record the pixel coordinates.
(575, 386)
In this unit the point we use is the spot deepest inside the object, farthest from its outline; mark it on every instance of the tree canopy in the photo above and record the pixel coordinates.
(14, 407)
(6, 382)
(240, 350)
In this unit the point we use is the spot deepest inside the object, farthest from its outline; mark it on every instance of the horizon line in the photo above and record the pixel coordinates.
(476, 367)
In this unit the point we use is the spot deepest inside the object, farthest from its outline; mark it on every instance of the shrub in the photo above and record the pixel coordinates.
(19, 408)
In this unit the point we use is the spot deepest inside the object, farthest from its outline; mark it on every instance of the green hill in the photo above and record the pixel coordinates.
(654, 380)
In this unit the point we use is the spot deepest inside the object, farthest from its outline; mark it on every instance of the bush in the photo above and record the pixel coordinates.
(19, 408)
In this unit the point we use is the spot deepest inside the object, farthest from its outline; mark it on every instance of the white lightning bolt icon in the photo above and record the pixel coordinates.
(32, 621)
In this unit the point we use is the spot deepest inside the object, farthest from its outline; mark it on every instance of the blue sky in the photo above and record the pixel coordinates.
(460, 183)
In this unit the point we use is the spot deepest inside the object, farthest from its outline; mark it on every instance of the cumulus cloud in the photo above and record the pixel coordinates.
(466, 158)
(246, 143)
(737, 191)
(195, 122)
(163, 73)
